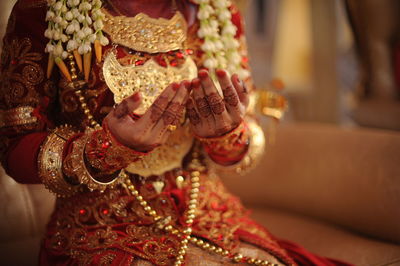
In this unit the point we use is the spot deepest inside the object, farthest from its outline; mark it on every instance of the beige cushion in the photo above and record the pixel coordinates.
(348, 177)
(327, 239)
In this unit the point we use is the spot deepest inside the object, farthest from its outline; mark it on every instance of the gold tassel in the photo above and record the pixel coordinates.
(78, 59)
(98, 49)
(87, 63)
(50, 65)
(61, 65)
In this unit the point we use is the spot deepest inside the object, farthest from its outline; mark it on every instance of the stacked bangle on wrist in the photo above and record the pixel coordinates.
(50, 162)
(251, 156)
(229, 148)
(96, 159)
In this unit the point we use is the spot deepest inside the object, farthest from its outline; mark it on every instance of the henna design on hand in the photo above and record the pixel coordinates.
(204, 108)
(192, 113)
(171, 113)
(216, 103)
(230, 96)
(157, 108)
(179, 115)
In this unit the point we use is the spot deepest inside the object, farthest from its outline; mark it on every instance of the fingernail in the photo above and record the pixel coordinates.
(136, 97)
(203, 74)
(186, 83)
(236, 78)
(196, 83)
(221, 73)
(175, 86)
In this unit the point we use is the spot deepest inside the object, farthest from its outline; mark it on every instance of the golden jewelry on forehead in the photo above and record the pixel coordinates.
(149, 79)
(145, 34)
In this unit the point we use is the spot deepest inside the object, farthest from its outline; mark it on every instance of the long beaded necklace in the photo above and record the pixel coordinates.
(163, 222)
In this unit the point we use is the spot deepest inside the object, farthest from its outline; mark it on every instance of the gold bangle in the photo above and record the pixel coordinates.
(16, 117)
(77, 165)
(253, 156)
(226, 139)
(50, 162)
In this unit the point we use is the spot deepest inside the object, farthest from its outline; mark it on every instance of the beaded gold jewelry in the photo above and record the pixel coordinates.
(185, 234)
(162, 222)
(50, 162)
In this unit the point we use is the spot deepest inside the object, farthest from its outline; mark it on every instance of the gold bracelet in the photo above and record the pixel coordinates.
(19, 116)
(50, 162)
(253, 156)
(227, 139)
(75, 164)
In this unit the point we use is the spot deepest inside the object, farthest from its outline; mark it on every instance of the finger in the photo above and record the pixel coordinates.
(202, 106)
(154, 113)
(173, 112)
(127, 106)
(231, 98)
(176, 106)
(165, 133)
(192, 113)
(241, 89)
(215, 101)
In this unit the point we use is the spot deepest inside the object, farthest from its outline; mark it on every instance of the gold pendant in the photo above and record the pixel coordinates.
(145, 34)
(149, 79)
(166, 157)
(158, 186)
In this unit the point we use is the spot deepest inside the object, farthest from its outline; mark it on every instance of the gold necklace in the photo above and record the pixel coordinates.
(163, 223)
(150, 79)
(145, 34)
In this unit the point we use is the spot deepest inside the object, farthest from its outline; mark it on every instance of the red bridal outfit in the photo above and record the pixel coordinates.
(117, 206)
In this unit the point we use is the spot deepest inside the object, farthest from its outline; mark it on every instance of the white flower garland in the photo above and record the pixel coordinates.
(218, 31)
(74, 24)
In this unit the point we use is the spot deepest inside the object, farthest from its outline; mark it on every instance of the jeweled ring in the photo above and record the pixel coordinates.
(171, 127)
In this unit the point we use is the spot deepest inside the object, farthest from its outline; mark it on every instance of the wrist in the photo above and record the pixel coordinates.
(229, 148)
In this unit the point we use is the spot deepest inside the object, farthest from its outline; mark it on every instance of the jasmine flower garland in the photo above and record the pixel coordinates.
(73, 26)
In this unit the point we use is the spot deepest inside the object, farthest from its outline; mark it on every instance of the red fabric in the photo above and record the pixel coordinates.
(397, 64)
(304, 257)
(22, 159)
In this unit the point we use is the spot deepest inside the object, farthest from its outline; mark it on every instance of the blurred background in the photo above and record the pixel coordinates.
(338, 63)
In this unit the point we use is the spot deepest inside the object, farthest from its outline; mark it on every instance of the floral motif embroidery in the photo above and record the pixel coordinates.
(21, 72)
(114, 221)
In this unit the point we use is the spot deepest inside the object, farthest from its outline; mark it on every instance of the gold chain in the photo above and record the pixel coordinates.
(186, 233)
(163, 223)
(78, 92)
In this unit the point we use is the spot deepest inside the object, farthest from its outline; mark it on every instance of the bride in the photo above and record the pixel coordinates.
(126, 110)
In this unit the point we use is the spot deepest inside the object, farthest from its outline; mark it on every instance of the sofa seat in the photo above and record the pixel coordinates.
(327, 239)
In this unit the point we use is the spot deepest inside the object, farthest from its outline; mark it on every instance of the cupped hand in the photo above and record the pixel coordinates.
(213, 115)
(151, 129)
